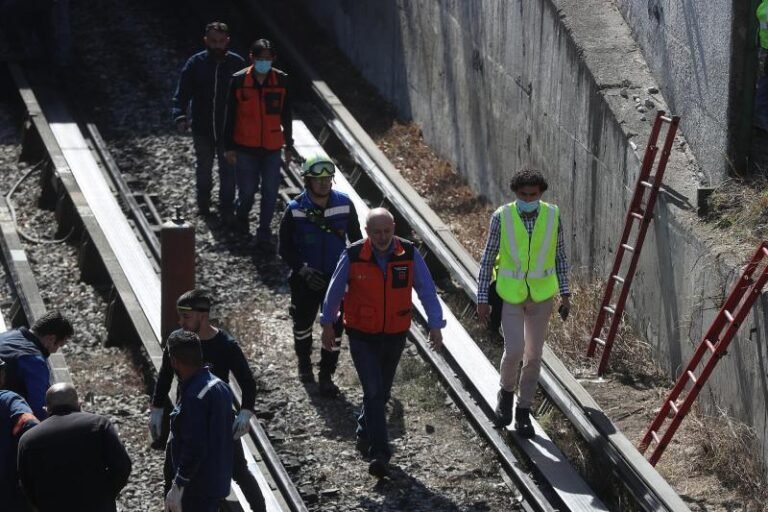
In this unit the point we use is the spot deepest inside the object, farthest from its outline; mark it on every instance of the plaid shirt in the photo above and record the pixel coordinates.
(488, 260)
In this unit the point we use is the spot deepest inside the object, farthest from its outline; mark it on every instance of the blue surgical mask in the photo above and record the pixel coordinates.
(262, 67)
(526, 206)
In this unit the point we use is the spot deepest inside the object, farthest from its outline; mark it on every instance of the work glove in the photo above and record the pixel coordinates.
(155, 422)
(173, 499)
(242, 424)
(315, 279)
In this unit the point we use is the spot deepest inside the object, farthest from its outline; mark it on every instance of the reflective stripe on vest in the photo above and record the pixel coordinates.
(523, 272)
(762, 16)
(258, 121)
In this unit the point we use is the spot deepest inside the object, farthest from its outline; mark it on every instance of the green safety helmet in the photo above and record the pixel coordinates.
(317, 166)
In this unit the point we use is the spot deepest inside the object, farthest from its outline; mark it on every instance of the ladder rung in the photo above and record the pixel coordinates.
(655, 437)
(599, 341)
(646, 184)
(666, 118)
(728, 315)
(618, 278)
(691, 376)
(637, 215)
(674, 407)
(628, 247)
(765, 251)
(710, 346)
(610, 309)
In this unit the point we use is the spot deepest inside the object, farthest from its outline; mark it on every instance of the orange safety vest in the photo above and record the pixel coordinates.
(372, 305)
(259, 113)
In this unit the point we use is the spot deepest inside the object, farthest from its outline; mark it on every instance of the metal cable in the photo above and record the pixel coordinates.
(21, 232)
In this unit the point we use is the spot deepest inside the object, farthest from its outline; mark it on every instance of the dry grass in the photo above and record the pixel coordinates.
(730, 450)
(630, 355)
(741, 206)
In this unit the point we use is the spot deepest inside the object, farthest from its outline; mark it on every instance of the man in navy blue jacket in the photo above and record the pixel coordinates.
(15, 418)
(313, 233)
(204, 83)
(25, 352)
(201, 431)
(223, 355)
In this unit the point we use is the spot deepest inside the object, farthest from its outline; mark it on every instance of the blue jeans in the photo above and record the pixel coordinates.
(376, 359)
(205, 151)
(250, 170)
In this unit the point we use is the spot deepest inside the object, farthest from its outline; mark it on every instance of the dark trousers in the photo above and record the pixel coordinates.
(304, 306)
(206, 150)
(254, 170)
(376, 358)
(240, 474)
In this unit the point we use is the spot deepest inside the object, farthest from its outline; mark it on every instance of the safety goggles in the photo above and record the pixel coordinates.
(320, 169)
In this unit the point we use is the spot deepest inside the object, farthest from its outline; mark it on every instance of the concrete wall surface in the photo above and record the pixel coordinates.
(688, 45)
(561, 85)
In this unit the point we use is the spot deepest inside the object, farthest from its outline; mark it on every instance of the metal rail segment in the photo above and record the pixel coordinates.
(641, 479)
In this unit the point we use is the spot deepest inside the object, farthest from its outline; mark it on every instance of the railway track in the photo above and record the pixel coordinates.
(465, 371)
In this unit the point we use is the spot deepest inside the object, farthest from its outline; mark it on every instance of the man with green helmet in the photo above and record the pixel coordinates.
(314, 231)
(526, 243)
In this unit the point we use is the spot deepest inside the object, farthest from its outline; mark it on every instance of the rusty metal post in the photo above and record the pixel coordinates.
(177, 268)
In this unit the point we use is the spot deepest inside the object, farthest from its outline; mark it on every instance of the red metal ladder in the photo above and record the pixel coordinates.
(638, 212)
(714, 345)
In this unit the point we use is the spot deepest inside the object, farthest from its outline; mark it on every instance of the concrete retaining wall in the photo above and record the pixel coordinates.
(698, 52)
(500, 84)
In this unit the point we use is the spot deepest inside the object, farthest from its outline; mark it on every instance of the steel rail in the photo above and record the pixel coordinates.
(650, 490)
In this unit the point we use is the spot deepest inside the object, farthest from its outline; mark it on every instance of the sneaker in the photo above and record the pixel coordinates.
(378, 468)
(523, 425)
(503, 411)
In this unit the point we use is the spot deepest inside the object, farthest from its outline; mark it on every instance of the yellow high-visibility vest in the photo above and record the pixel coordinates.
(762, 16)
(527, 263)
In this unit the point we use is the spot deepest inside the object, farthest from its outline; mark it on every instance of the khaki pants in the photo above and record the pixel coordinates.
(525, 328)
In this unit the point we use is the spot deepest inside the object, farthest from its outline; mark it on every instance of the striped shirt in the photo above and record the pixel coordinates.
(488, 260)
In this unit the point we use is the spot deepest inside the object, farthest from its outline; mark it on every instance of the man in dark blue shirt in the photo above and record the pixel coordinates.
(201, 431)
(204, 83)
(223, 355)
(15, 418)
(25, 352)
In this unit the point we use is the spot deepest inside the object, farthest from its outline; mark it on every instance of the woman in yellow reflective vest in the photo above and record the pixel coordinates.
(526, 247)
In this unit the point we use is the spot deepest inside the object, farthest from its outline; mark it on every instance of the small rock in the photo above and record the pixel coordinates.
(653, 90)
(624, 94)
(642, 109)
(430, 429)
(649, 103)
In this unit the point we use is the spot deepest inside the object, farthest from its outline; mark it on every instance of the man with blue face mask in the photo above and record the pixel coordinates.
(257, 126)
(525, 243)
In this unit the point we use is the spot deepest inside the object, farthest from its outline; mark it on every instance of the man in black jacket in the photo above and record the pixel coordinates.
(223, 355)
(73, 460)
(204, 83)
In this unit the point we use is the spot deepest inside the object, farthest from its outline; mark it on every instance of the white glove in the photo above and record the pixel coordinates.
(155, 422)
(242, 424)
(173, 499)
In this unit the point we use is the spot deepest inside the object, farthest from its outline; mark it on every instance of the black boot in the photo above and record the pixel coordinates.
(325, 385)
(503, 410)
(523, 425)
